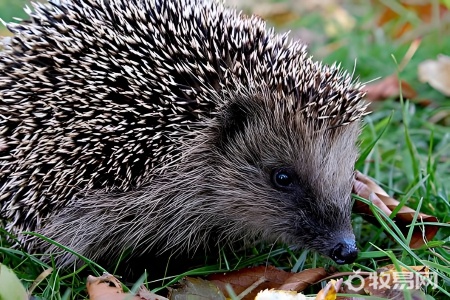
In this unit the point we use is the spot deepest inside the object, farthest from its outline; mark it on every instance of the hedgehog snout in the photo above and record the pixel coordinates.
(345, 251)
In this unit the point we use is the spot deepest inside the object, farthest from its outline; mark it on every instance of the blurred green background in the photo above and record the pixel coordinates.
(10, 9)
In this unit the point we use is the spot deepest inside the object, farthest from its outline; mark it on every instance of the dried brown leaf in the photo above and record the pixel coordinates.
(300, 281)
(390, 284)
(436, 73)
(329, 292)
(387, 88)
(242, 279)
(108, 287)
(366, 188)
(267, 278)
(195, 288)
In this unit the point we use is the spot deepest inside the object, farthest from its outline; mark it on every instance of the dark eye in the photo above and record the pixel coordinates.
(284, 178)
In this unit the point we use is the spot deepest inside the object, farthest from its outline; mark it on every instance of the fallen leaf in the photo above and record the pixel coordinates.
(195, 288)
(388, 88)
(329, 292)
(389, 283)
(266, 278)
(366, 188)
(108, 287)
(240, 280)
(300, 281)
(436, 73)
(104, 287)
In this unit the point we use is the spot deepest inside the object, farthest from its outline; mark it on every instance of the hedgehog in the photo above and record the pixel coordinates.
(163, 125)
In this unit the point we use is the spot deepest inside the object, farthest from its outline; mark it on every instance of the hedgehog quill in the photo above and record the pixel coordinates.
(157, 124)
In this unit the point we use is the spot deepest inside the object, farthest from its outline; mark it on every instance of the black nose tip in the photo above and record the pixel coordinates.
(345, 252)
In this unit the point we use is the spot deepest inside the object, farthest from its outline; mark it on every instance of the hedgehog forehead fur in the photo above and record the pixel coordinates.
(143, 98)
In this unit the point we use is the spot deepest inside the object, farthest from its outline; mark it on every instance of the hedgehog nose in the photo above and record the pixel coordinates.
(345, 252)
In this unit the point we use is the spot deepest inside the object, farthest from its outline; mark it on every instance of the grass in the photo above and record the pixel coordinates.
(404, 148)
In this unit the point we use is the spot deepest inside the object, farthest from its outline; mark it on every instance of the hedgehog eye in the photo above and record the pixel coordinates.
(283, 178)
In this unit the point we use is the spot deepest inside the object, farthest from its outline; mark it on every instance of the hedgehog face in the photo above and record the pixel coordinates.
(288, 179)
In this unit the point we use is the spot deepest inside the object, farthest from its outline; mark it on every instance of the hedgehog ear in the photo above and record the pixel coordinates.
(233, 120)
